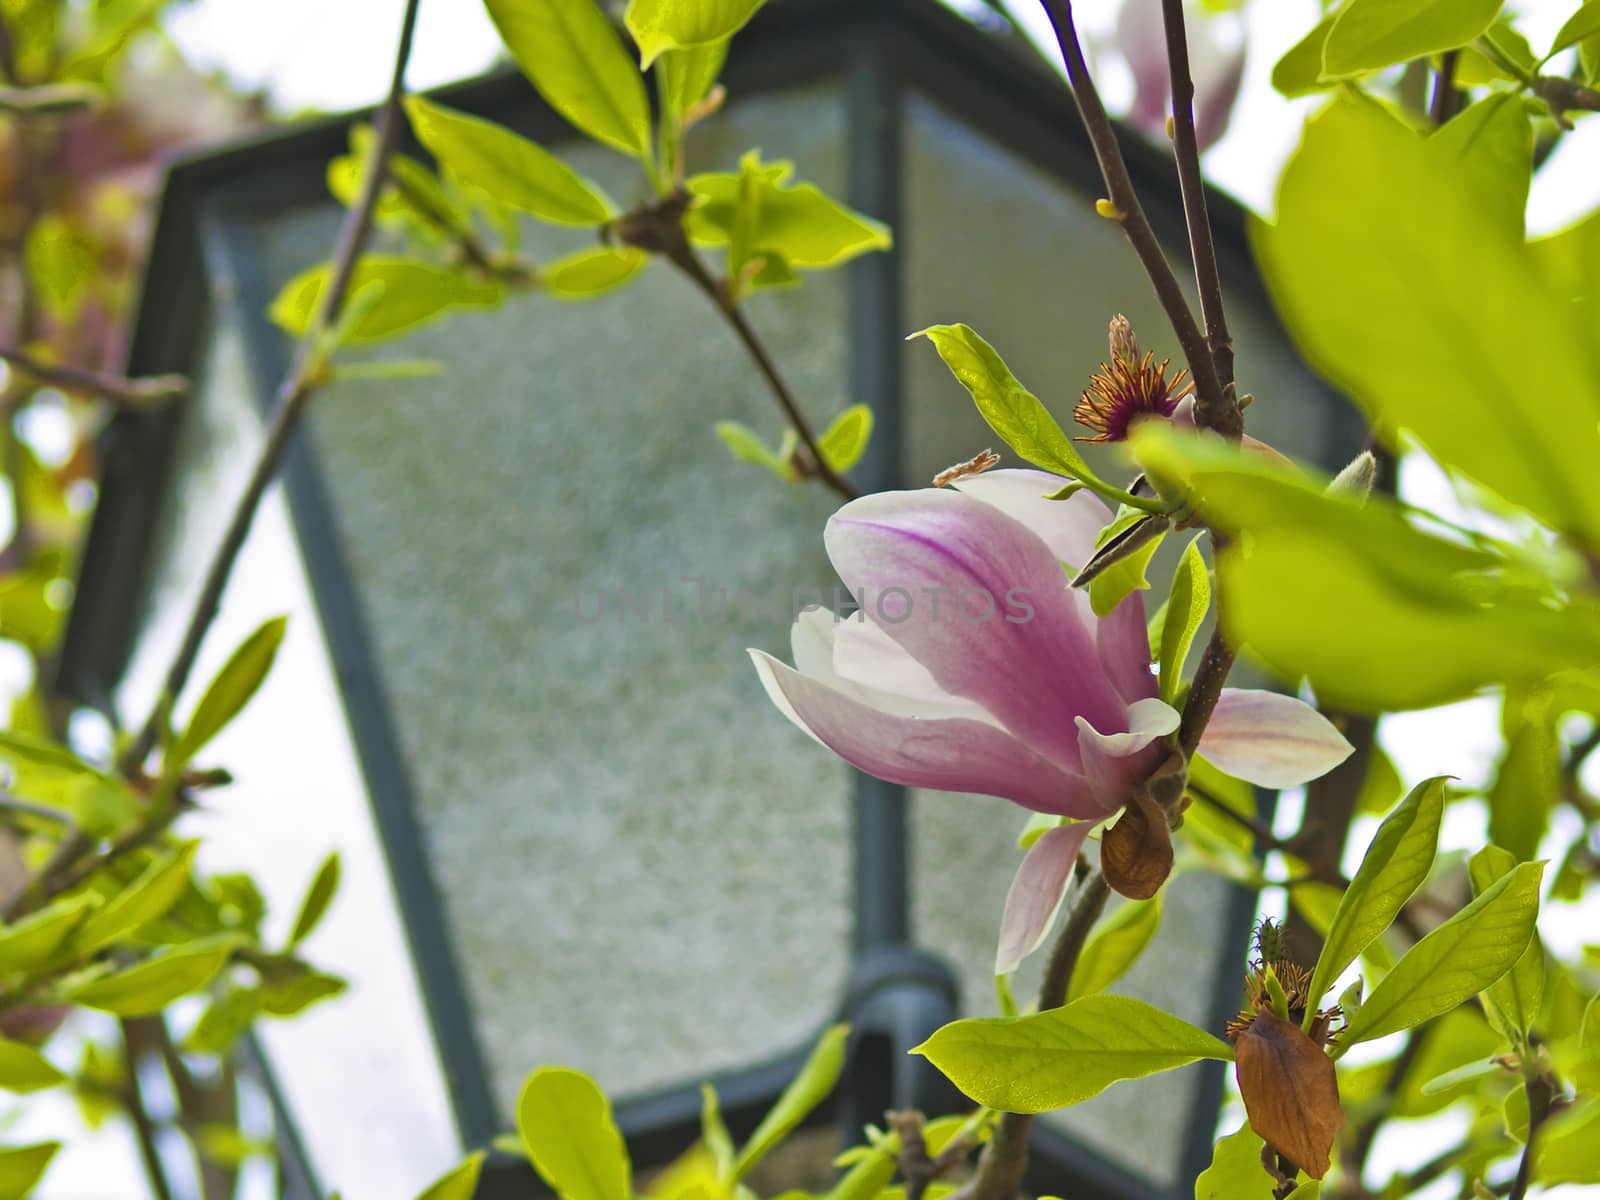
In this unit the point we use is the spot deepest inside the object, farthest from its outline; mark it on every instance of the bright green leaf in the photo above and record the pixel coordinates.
(746, 445)
(1381, 786)
(318, 896)
(1115, 583)
(411, 294)
(1372, 284)
(1187, 605)
(1036, 826)
(22, 1166)
(661, 25)
(515, 171)
(844, 441)
(1299, 71)
(565, 1122)
(295, 987)
(224, 1022)
(1115, 946)
(1528, 783)
(807, 1090)
(155, 983)
(1235, 1172)
(1511, 1002)
(1064, 1055)
(36, 939)
(1585, 23)
(24, 1069)
(460, 1183)
(1456, 961)
(144, 900)
(684, 77)
(591, 271)
(575, 60)
(1015, 413)
(714, 1134)
(1567, 1149)
(231, 690)
(1370, 34)
(1393, 868)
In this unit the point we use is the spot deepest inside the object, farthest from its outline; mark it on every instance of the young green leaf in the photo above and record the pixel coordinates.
(459, 1183)
(592, 271)
(714, 1134)
(22, 1166)
(1299, 71)
(1528, 781)
(224, 1022)
(1187, 605)
(1456, 961)
(1113, 584)
(231, 690)
(1015, 413)
(36, 939)
(1115, 946)
(575, 60)
(1393, 868)
(410, 294)
(684, 77)
(1585, 23)
(1235, 1172)
(1511, 1002)
(745, 445)
(844, 441)
(515, 171)
(662, 25)
(24, 1069)
(1568, 1148)
(1064, 1055)
(807, 1090)
(565, 1122)
(142, 901)
(1370, 34)
(158, 981)
(318, 896)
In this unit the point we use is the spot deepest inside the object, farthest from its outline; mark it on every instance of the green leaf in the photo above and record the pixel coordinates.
(1528, 784)
(1437, 347)
(684, 77)
(22, 1166)
(1187, 605)
(144, 900)
(807, 1090)
(231, 690)
(1235, 1172)
(515, 171)
(565, 1122)
(1115, 583)
(1421, 620)
(1115, 946)
(589, 272)
(158, 981)
(224, 1022)
(1585, 23)
(1475, 67)
(37, 939)
(714, 1132)
(1456, 961)
(318, 896)
(412, 294)
(1381, 785)
(1395, 865)
(844, 441)
(1015, 413)
(1511, 1002)
(575, 60)
(662, 25)
(63, 265)
(24, 1069)
(1568, 1147)
(1036, 826)
(1370, 34)
(460, 1183)
(1299, 72)
(746, 445)
(296, 988)
(1064, 1055)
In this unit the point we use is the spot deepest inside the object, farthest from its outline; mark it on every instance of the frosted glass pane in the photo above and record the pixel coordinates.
(1000, 245)
(644, 866)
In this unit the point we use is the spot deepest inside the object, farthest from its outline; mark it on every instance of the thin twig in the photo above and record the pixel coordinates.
(139, 393)
(1540, 1094)
(1186, 147)
(1446, 99)
(290, 402)
(144, 1126)
(1214, 409)
(686, 260)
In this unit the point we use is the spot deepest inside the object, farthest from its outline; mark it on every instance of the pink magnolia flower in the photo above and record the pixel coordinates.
(972, 666)
(1216, 66)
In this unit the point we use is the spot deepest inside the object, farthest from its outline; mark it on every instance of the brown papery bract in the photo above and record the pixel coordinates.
(1290, 1091)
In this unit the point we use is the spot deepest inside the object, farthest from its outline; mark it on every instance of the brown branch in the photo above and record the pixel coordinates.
(1186, 151)
(144, 1126)
(144, 392)
(1540, 1094)
(290, 402)
(1214, 408)
(1446, 98)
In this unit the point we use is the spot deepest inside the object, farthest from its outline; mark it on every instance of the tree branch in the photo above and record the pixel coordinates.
(290, 402)
(133, 393)
(1214, 408)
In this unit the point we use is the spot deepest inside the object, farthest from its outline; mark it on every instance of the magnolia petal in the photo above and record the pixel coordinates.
(881, 674)
(1270, 739)
(1036, 893)
(949, 754)
(1123, 639)
(1068, 526)
(1113, 762)
(1009, 635)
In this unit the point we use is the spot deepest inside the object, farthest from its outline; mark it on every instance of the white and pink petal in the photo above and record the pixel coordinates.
(1036, 893)
(1270, 739)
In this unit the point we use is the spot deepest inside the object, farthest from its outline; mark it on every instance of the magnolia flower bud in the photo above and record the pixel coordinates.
(1357, 478)
(1124, 346)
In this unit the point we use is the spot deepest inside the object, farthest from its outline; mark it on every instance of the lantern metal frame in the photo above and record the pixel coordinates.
(893, 49)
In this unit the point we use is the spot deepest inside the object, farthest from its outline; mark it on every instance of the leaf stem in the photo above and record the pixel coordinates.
(1214, 408)
(290, 402)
